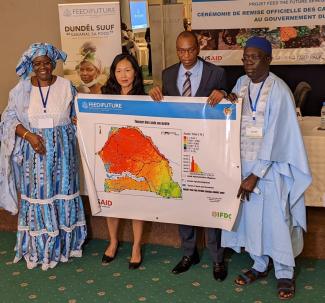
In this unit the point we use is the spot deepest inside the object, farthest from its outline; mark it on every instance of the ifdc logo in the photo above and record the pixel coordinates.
(221, 215)
(84, 105)
(67, 13)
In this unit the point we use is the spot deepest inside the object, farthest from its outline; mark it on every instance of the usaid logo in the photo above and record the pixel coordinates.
(105, 202)
(212, 58)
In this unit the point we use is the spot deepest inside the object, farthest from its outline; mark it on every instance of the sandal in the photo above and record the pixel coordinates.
(286, 288)
(250, 276)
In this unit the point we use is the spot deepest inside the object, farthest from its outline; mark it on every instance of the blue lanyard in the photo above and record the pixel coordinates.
(253, 107)
(44, 101)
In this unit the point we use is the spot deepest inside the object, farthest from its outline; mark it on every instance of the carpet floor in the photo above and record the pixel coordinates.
(87, 280)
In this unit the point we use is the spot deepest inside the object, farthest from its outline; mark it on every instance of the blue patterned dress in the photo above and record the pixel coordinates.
(51, 221)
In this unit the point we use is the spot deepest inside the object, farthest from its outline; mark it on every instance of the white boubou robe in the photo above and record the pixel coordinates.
(272, 222)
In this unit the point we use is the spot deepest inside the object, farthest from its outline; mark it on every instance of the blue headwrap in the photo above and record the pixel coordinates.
(260, 43)
(25, 64)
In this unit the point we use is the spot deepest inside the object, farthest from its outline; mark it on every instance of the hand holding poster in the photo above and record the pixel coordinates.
(176, 161)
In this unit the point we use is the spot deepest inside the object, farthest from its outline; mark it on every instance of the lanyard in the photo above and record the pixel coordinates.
(44, 101)
(253, 107)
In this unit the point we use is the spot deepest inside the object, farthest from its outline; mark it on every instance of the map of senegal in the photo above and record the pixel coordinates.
(133, 162)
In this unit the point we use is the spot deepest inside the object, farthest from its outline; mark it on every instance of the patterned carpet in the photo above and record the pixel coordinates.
(86, 280)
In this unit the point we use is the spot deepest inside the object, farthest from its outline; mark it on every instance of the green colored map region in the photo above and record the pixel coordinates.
(133, 162)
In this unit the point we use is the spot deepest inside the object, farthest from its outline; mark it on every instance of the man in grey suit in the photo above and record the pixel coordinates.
(193, 76)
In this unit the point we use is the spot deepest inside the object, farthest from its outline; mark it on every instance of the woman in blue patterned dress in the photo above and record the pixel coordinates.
(38, 162)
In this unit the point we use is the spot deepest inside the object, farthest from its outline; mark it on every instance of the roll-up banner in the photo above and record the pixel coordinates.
(91, 33)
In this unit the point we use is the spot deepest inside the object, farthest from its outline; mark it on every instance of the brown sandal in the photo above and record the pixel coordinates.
(286, 289)
(250, 276)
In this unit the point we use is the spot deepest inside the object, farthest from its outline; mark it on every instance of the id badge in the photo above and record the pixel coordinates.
(255, 132)
(45, 123)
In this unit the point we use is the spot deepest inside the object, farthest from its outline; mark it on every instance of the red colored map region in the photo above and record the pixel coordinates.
(137, 162)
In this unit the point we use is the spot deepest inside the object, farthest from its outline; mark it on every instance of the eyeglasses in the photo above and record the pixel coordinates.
(38, 64)
(253, 58)
(183, 51)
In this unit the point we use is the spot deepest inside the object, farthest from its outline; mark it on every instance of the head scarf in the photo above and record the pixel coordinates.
(88, 52)
(260, 43)
(25, 64)
(91, 58)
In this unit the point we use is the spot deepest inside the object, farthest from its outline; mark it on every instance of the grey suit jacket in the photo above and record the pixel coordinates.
(213, 77)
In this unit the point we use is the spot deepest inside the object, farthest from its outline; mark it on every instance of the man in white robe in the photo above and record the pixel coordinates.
(275, 173)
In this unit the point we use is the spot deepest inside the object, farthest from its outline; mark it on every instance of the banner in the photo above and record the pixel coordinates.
(176, 161)
(90, 32)
(296, 29)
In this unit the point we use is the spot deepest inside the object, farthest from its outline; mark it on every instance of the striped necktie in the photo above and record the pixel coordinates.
(187, 85)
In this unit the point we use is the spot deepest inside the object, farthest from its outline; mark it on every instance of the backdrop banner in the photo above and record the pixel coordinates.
(90, 32)
(176, 161)
(294, 27)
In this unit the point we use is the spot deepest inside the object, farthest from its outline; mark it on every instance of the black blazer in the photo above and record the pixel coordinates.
(213, 77)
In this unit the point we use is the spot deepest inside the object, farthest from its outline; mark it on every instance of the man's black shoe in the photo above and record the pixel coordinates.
(219, 271)
(186, 263)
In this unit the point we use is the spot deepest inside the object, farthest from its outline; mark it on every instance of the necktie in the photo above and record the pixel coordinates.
(187, 85)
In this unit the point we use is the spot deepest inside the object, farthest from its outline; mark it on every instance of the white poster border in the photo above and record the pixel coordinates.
(199, 209)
